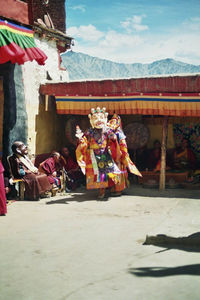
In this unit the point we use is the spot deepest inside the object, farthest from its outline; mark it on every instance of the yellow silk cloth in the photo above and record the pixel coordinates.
(173, 104)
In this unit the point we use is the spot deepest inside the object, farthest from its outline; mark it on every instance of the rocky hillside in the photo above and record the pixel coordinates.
(83, 66)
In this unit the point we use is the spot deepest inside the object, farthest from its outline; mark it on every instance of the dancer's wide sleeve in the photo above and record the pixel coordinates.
(125, 158)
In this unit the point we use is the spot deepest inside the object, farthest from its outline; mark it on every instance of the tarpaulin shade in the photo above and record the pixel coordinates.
(17, 45)
(169, 104)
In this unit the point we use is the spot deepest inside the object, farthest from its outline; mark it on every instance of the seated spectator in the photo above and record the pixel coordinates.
(184, 157)
(75, 176)
(142, 158)
(51, 167)
(36, 184)
(155, 156)
(3, 206)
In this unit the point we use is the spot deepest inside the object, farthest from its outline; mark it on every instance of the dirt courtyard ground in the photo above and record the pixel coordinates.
(78, 248)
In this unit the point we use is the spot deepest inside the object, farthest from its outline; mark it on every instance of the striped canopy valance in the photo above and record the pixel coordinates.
(170, 104)
(17, 45)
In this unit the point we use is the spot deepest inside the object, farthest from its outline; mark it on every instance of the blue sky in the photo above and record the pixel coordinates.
(136, 31)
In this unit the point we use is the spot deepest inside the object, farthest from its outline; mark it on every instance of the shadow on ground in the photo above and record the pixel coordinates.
(166, 271)
(78, 197)
(82, 194)
(190, 243)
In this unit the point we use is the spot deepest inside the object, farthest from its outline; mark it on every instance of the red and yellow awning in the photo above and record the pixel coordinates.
(169, 104)
(17, 45)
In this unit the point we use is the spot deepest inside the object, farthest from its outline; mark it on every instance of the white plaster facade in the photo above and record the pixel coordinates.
(33, 76)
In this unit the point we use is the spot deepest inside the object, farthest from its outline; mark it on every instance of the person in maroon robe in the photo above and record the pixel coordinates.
(73, 171)
(184, 157)
(36, 183)
(3, 206)
(51, 167)
(154, 156)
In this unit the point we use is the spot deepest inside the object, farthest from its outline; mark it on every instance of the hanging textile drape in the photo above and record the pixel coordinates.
(17, 45)
(171, 104)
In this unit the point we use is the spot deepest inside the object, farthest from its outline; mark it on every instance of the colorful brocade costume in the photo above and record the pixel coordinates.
(95, 157)
(102, 154)
(123, 161)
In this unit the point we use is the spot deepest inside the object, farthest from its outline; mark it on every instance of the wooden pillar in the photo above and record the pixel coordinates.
(163, 153)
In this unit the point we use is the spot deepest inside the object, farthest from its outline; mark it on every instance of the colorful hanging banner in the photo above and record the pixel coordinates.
(169, 104)
(17, 45)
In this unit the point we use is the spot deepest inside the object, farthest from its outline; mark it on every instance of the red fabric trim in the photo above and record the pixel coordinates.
(126, 95)
(34, 54)
(10, 52)
(16, 54)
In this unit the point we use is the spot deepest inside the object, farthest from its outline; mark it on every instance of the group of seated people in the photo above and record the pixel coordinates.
(181, 158)
(62, 161)
(45, 180)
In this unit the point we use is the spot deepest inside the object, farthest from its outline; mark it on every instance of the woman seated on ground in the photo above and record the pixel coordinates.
(184, 157)
(74, 176)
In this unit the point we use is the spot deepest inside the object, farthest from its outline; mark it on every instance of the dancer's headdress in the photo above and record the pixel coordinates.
(98, 117)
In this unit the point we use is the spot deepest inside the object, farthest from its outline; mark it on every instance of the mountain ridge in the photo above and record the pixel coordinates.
(83, 66)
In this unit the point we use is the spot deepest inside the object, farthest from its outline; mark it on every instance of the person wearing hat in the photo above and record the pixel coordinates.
(36, 184)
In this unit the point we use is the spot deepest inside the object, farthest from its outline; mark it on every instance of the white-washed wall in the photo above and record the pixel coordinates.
(35, 75)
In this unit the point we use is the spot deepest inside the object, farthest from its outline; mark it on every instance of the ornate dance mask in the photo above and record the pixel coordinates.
(98, 117)
(115, 122)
